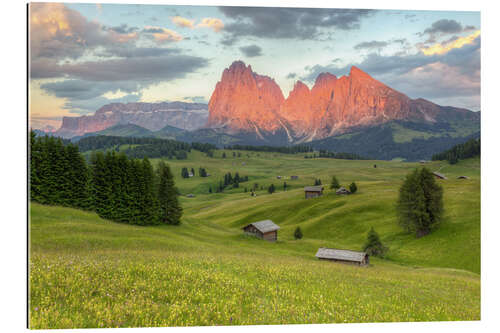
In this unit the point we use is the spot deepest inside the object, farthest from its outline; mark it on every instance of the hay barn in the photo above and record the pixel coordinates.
(343, 256)
(313, 191)
(342, 190)
(439, 175)
(266, 229)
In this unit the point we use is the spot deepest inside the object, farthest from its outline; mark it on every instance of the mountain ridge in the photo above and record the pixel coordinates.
(246, 102)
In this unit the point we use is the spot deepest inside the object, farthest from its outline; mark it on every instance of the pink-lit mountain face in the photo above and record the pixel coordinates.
(244, 101)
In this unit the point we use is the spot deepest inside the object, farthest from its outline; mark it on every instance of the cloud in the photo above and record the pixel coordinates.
(450, 78)
(162, 35)
(197, 99)
(182, 22)
(291, 75)
(444, 27)
(83, 96)
(453, 43)
(251, 51)
(300, 23)
(58, 32)
(214, 23)
(374, 44)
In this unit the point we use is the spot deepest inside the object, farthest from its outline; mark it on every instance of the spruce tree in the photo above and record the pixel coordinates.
(335, 183)
(373, 245)
(353, 187)
(271, 189)
(420, 202)
(298, 233)
(170, 208)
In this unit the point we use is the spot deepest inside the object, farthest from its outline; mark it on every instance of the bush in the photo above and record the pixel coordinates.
(353, 187)
(298, 233)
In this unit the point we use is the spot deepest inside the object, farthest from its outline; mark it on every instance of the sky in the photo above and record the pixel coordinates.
(83, 56)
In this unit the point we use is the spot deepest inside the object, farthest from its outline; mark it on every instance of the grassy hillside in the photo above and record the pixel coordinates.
(89, 272)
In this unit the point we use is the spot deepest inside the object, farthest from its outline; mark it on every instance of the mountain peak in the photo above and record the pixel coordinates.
(356, 72)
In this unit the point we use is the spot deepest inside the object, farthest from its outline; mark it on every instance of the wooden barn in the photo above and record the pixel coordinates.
(439, 175)
(313, 191)
(343, 256)
(263, 229)
(343, 190)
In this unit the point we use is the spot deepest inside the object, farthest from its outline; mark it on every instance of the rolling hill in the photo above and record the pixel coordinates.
(206, 272)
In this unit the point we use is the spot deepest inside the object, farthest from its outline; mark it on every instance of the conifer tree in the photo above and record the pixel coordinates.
(373, 245)
(335, 183)
(353, 187)
(298, 233)
(420, 202)
(170, 209)
(271, 189)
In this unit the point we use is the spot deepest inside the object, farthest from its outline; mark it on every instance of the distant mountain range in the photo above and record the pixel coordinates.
(353, 113)
(152, 116)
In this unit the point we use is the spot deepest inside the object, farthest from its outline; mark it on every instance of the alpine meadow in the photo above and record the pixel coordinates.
(207, 166)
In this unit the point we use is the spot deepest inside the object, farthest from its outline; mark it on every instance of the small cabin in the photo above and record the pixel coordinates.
(423, 161)
(294, 177)
(278, 177)
(342, 190)
(462, 177)
(190, 195)
(190, 174)
(439, 175)
(313, 191)
(343, 256)
(263, 229)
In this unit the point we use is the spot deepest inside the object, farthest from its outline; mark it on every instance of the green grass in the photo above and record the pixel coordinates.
(89, 272)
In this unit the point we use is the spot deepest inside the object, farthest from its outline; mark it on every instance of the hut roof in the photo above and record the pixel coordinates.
(326, 253)
(318, 188)
(462, 177)
(342, 190)
(440, 175)
(264, 226)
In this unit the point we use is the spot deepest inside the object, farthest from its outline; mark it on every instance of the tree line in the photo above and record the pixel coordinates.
(342, 156)
(272, 149)
(468, 149)
(143, 147)
(114, 186)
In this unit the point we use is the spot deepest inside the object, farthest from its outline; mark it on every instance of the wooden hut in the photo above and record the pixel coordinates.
(343, 190)
(263, 229)
(462, 177)
(313, 191)
(294, 177)
(439, 175)
(343, 256)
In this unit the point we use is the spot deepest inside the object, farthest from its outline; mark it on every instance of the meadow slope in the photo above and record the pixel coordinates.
(89, 272)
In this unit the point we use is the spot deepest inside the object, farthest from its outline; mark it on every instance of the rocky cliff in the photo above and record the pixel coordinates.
(244, 101)
(152, 116)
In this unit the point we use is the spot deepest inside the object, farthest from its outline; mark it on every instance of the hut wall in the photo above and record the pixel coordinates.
(271, 236)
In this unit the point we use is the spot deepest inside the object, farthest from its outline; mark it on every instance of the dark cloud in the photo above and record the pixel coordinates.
(444, 26)
(374, 44)
(444, 77)
(125, 51)
(121, 29)
(300, 23)
(162, 68)
(82, 89)
(291, 75)
(251, 51)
